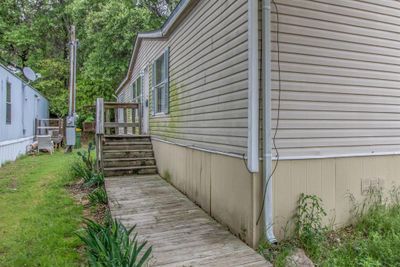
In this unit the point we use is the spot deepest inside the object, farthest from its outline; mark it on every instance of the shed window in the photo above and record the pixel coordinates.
(160, 87)
(8, 102)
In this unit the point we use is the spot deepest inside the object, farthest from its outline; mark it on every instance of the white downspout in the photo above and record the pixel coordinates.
(253, 83)
(268, 206)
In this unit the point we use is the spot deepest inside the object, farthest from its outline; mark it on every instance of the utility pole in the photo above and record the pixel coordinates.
(71, 118)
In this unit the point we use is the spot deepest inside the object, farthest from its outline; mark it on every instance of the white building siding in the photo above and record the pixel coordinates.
(208, 77)
(26, 105)
(340, 77)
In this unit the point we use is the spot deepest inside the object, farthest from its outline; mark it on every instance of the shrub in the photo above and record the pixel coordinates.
(98, 196)
(95, 180)
(87, 159)
(79, 170)
(310, 231)
(85, 169)
(110, 245)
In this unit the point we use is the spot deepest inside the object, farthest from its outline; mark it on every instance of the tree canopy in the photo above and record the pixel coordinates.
(35, 33)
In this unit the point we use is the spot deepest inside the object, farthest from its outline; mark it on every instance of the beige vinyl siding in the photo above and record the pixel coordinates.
(208, 78)
(340, 77)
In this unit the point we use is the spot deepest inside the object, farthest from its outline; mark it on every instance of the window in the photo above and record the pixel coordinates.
(8, 102)
(160, 88)
(137, 90)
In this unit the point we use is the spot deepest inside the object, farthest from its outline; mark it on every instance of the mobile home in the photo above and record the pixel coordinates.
(318, 80)
(20, 105)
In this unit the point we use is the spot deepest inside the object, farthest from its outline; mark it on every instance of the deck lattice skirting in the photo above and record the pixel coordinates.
(181, 233)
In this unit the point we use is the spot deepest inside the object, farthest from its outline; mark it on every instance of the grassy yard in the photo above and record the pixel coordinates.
(38, 217)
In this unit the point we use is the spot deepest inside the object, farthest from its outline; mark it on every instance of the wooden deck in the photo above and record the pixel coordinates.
(181, 233)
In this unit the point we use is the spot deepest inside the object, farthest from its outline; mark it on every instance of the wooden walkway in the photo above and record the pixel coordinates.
(181, 233)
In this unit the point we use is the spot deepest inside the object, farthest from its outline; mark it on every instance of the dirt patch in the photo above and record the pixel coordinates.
(80, 194)
(337, 237)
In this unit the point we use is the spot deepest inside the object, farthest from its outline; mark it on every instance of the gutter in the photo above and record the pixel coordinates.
(267, 149)
(253, 90)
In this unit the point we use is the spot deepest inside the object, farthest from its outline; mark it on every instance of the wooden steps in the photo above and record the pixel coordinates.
(128, 155)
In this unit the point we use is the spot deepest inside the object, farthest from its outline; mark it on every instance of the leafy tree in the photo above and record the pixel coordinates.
(161, 8)
(35, 33)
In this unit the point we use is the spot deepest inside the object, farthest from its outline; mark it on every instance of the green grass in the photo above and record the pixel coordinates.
(372, 240)
(38, 217)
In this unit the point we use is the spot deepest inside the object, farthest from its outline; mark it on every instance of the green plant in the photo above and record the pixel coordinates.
(79, 170)
(98, 196)
(85, 169)
(374, 200)
(309, 215)
(276, 253)
(309, 229)
(87, 157)
(95, 180)
(110, 245)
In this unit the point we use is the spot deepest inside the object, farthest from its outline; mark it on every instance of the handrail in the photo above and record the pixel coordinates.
(113, 118)
(53, 127)
(121, 105)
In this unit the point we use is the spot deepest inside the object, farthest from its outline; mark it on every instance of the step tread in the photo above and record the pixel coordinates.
(129, 159)
(129, 168)
(127, 136)
(126, 143)
(127, 150)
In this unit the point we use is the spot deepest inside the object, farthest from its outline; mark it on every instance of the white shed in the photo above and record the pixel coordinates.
(20, 105)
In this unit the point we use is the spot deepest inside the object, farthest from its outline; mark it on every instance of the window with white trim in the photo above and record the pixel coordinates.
(160, 87)
(137, 90)
(8, 102)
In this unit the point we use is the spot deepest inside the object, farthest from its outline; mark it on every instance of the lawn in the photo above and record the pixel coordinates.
(38, 217)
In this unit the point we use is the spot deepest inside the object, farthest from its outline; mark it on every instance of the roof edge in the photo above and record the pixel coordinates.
(164, 31)
(23, 81)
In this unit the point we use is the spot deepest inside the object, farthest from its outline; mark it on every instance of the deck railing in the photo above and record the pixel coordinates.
(52, 127)
(114, 118)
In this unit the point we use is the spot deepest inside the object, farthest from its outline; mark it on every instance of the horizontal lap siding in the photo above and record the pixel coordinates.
(340, 77)
(208, 78)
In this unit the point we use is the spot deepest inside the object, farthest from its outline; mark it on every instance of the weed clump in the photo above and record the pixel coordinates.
(372, 239)
(309, 230)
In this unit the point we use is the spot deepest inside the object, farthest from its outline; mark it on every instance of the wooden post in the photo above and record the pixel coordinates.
(140, 118)
(59, 128)
(100, 116)
(108, 116)
(116, 119)
(36, 126)
(99, 132)
(125, 120)
(133, 120)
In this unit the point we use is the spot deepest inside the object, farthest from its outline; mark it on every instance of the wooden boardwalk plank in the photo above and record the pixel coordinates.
(181, 233)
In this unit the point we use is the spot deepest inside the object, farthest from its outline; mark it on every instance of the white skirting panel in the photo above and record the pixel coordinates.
(11, 149)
